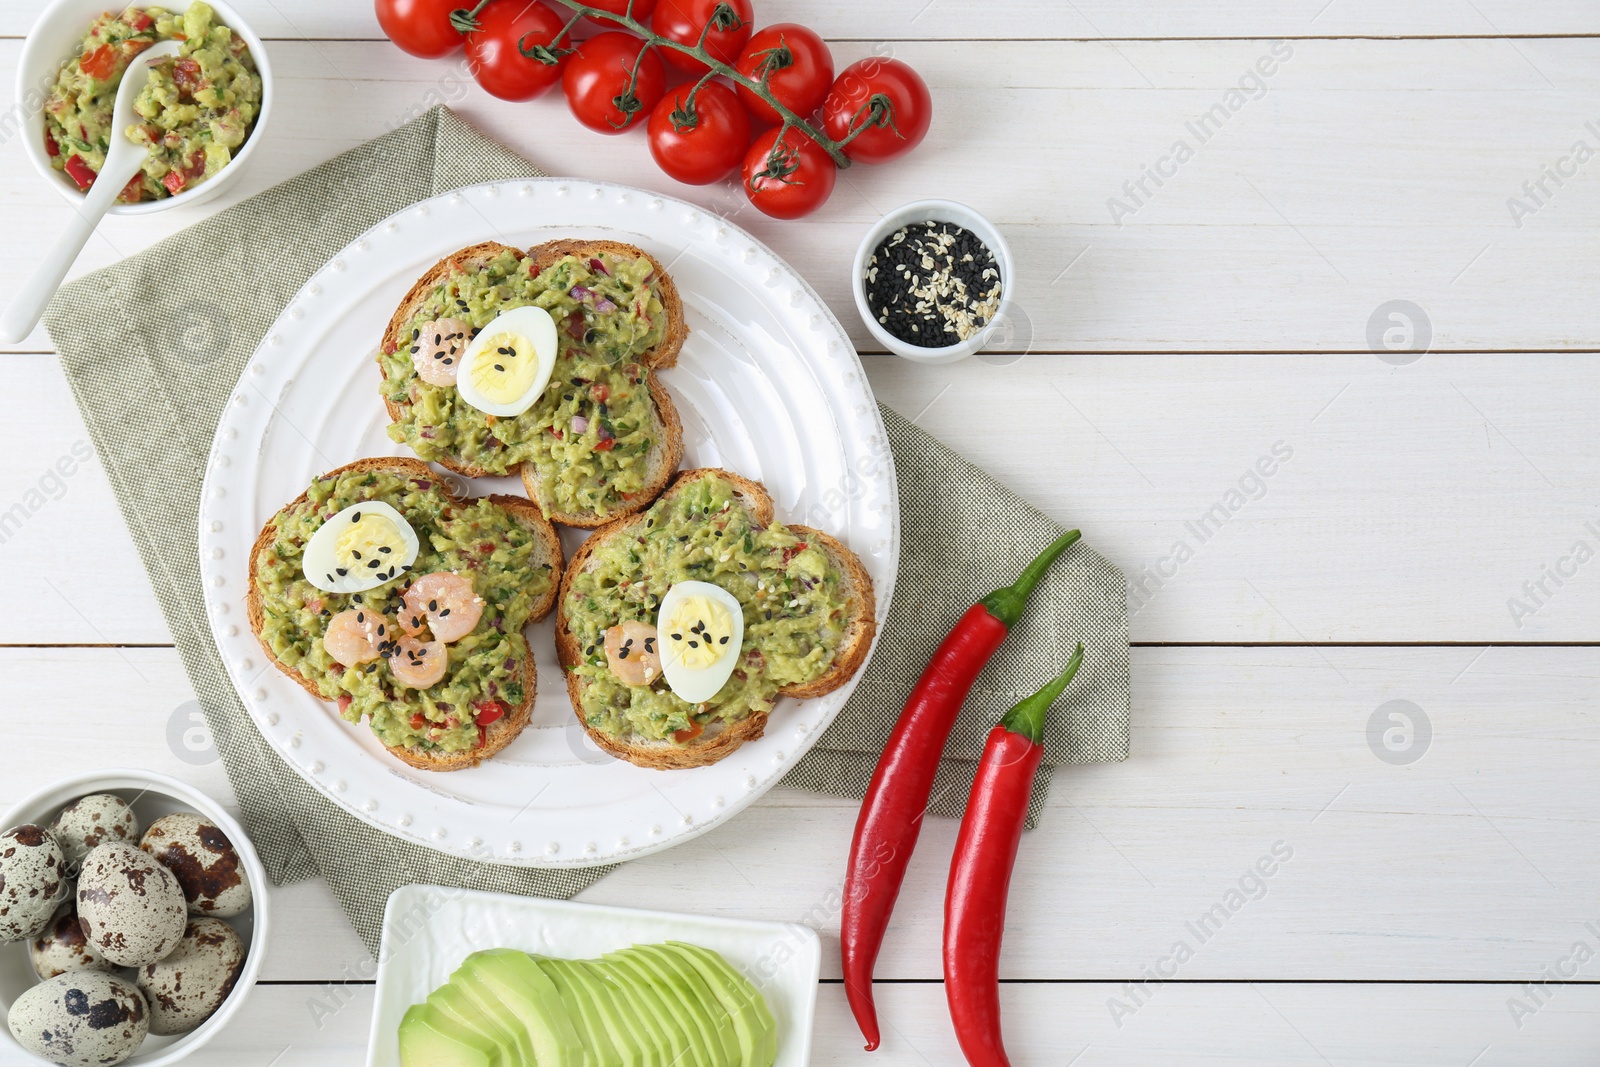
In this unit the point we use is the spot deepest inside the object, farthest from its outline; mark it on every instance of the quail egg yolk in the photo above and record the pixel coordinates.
(371, 541)
(504, 369)
(699, 631)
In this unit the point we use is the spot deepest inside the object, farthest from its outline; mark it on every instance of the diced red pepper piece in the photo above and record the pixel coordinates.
(80, 172)
(133, 192)
(605, 444)
(99, 63)
(688, 733)
(186, 73)
(174, 181)
(419, 722)
(483, 736)
(142, 21)
(488, 711)
(344, 702)
(601, 392)
(50, 145)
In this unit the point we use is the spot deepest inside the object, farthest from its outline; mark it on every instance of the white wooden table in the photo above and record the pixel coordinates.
(1171, 343)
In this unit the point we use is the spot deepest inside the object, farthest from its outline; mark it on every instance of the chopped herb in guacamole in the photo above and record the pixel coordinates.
(479, 541)
(794, 610)
(590, 433)
(196, 110)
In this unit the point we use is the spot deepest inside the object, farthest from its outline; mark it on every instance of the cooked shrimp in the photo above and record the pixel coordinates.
(436, 351)
(418, 664)
(631, 651)
(353, 635)
(444, 603)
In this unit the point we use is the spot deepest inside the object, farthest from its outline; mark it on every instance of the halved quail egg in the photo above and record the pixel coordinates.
(701, 628)
(506, 367)
(360, 548)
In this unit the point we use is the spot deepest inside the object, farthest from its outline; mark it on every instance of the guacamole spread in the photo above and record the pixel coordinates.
(589, 434)
(795, 610)
(479, 541)
(196, 110)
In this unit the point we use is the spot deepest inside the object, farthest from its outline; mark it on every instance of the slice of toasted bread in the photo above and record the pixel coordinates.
(547, 551)
(667, 453)
(719, 739)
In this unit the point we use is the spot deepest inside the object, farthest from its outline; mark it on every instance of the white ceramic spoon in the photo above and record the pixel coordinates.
(123, 160)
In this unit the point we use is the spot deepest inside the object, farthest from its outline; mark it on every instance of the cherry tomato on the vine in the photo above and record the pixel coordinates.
(495, 49)
(699, 139)
(641, 11)
(420, 27)
(788, 177)
(597, 78)
(887, 101)
(796, 64)
(684, 20)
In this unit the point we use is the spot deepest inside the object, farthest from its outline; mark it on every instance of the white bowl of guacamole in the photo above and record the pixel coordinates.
(202, 115)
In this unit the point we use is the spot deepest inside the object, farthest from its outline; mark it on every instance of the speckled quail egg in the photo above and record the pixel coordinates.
(203, 860)
(33, 881)
(130, 906)
(81, 1019)
(64, 947)
(186, 987)
(90, 821)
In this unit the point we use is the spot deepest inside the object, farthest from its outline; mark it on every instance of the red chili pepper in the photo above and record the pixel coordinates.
(897, 798)
(980, 873)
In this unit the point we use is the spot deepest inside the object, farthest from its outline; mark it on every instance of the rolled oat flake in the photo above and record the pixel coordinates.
(932, 284)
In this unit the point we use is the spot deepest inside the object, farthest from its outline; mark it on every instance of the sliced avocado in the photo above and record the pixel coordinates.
(592, 1032)
(628, 1046)
(464, 994)
(689, 1046)
(696, 1005)
(517, 982)
(428, 1039)
(627, 1013)
(453, 1003)
(697, 999)
(753, 1024)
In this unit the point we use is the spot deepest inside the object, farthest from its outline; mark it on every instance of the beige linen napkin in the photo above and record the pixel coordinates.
(152, 392)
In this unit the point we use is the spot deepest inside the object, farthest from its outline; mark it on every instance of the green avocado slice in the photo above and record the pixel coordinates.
(685, 1047)
(467, 1000)
(517, 982)
(696, 994)
(631, 1013)
(593, 1034)
(753, 1025)
(429, 1039)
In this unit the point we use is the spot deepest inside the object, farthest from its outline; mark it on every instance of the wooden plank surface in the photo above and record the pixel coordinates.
(1087, 19)
(1156, 457)
(1244, 760)
(1359, 173)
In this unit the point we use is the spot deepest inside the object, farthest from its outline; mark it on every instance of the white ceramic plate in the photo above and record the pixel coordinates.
(428, 930)
(768, 385)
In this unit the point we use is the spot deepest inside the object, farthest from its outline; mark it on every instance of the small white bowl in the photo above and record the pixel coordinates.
(54, 40)
(152, 796)
(936, 211)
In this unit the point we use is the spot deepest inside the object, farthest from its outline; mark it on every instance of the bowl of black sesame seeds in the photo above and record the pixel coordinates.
(931, 281)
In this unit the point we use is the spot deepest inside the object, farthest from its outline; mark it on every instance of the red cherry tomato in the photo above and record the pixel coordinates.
(887, 101)
(684, 20)
(596, 81)
(420, 27)
(790, 177)
(495, 49)
(796, 64)
(641, 11)
(700, 141)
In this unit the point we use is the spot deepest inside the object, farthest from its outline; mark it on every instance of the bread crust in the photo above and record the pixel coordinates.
(498, 734)
(668, 452)
(714, 744)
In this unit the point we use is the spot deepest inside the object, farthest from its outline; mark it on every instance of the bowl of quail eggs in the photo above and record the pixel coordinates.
(131, 921)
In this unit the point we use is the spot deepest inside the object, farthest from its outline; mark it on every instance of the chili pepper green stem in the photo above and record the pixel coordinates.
(699, 52)
(1027, 718)
(1006, 604)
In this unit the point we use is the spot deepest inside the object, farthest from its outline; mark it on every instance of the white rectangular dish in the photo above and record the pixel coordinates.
(428, 930)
